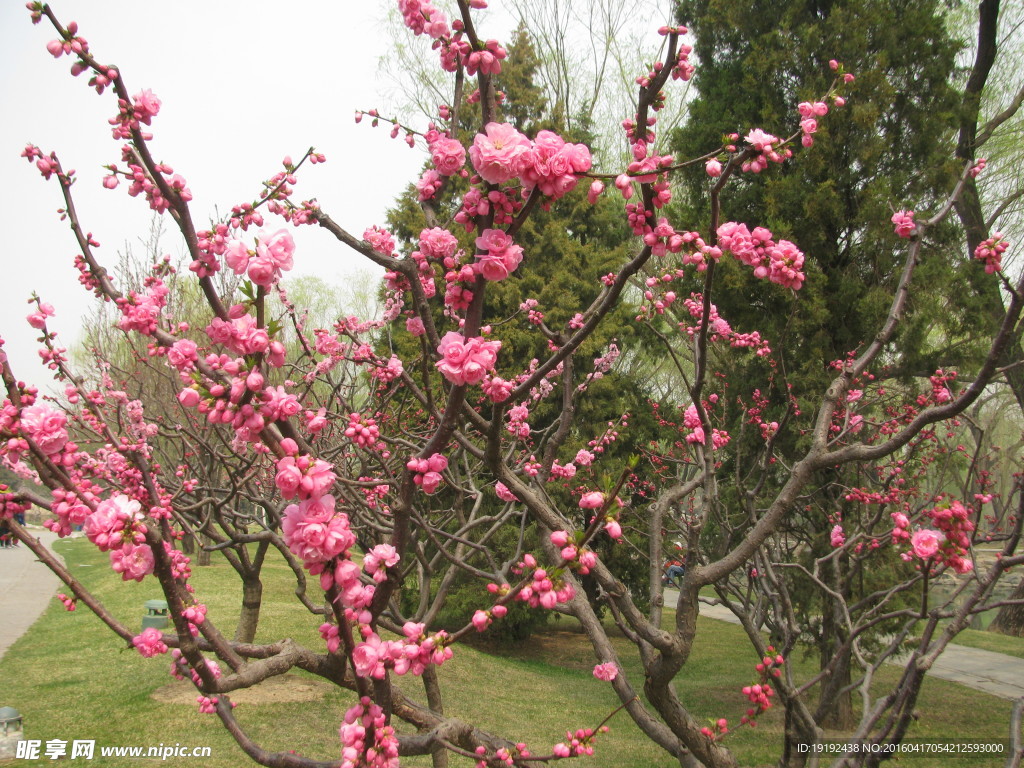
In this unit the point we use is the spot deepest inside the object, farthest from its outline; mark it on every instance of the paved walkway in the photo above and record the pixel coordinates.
(26, 587)
(994, 673)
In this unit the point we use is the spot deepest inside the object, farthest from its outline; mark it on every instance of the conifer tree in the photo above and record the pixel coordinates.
(892, 150)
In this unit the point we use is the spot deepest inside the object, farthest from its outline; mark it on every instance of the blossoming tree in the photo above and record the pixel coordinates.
(386, 478)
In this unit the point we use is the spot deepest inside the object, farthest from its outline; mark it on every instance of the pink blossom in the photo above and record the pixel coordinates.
(592, 500)
(448, 155)
(438, 243)
(46, 427)
(415, 326)
(236, 256)
(183, 355)
(495, 152)
(904, 221)
(150, 642)
(132, 561)
(838, 538)
(481, 621)
(760, 140)
(38, 319)
(378, 559)
(279, 247)
(304, 476)
(502, 256)
(584, 458)
(145, 105)
(428, 184)
(925, 542)
(504, 493)
(105, 526)
(786, 265)
(466, 361)
(713, 168)
(314, 531)
(607, 671)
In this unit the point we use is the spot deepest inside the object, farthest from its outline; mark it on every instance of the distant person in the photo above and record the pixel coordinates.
(5, 534)
(674, 572)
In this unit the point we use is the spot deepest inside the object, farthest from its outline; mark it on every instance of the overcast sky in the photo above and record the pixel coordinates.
(242, 85)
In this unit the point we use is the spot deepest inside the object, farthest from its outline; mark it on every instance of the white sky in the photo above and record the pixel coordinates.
(242, 84)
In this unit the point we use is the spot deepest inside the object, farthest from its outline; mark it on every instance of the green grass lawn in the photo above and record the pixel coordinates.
(992, 641)
(72, 679)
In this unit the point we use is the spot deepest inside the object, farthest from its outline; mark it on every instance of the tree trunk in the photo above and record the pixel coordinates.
(203, 558)
(835, 707)
(1010, 619)
(249, 618)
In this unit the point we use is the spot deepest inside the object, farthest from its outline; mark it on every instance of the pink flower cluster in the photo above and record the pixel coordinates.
(130, 117)
(549, 163)
(503, 493)
(428, 472)
(46, 427)
(499, 256)
(143, 184)
(133, 561)
(363, 432)
(37, 319)
(274, 255)
(581, 560)
(720, 328)
(759, 694)
(378, 560)
(691, 420)
(373, 657)
(482, 619)
(949, 541)
(553, 165)
(303, 476)
(69, 602)
(243, 336)
(150, 642)
(142, 312)
(367, 741)
(990, 252)
(74, 44)
(808, 122)
(578, 743)
(837, 537)
(780, 262)
(543, 591)
(116, 526)
(315, 532)
(448, 155)
(764, 144)
(466, 361)
(607, 671)
(114, 521)
(904, 221)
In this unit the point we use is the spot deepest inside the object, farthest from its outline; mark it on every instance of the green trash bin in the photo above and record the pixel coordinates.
(155, 615)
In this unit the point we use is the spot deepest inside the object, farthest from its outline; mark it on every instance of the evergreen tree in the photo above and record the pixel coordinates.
(568, 246)
(891, 149)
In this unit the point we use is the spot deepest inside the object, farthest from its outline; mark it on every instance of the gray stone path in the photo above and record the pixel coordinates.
(26, 587)
(994, 673)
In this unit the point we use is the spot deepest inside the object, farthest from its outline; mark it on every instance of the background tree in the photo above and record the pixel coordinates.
(903, 108)
(390, 485)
